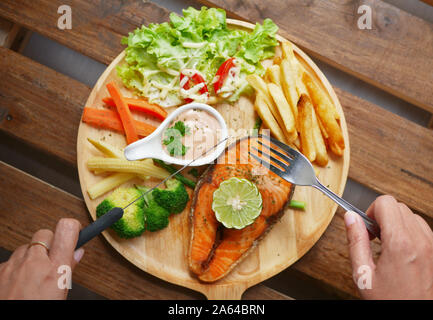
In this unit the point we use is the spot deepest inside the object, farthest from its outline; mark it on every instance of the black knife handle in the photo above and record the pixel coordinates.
(95, 228)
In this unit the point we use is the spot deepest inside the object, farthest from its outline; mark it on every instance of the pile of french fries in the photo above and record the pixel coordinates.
(296, 110)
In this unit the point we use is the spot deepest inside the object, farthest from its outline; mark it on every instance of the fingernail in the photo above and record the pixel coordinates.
(349, 218)
(78, 254)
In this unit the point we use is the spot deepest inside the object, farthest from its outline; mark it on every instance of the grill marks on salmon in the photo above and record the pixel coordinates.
(205, 229)
(211, 256)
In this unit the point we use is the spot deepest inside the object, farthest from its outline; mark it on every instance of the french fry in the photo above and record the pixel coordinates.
(318, 95)
(297, 143)
(289, 87)
(298, 69)
(268, 119)
(300, 86)
(285, 111)
(287, 50)
(305, 109)
(322, 129)
(277, 60)
(273, 74)
(260, 85)
(319, 144)
(325, 111)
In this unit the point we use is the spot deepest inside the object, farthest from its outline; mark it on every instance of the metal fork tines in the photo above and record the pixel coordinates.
(294, 167)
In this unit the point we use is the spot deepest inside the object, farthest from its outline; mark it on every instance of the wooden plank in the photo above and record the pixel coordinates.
(372, 55)
(40, 106)
(97, 26)
(383, 56)
(12, 36)
(396, 55)
(389, 154)
(430, 2)
(368, 128)
(383, 145)
(29, 204)
(262, 292)
(8, 33)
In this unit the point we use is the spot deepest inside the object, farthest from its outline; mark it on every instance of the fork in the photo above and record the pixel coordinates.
(297, 169)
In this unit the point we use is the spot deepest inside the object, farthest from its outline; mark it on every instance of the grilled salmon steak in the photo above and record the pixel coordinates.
(214, 249)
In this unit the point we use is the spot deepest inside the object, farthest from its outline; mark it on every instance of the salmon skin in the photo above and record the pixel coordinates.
(215, 250)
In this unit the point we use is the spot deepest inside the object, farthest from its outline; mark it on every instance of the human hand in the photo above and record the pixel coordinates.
(32, 272)
(404, 269)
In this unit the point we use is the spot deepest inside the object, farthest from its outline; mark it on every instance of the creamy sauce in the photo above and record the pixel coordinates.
(203, 133)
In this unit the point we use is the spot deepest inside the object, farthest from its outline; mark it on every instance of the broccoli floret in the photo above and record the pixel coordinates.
(132, 222)
(156, 217)
(174, 198)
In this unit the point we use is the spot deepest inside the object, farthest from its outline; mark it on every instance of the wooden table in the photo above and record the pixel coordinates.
(40, 110)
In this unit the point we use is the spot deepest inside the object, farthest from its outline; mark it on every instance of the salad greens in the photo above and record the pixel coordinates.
(199, 40)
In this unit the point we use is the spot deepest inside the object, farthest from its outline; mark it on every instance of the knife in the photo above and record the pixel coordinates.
(108, 219)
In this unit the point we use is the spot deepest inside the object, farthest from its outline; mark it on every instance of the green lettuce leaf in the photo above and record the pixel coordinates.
(199, 39)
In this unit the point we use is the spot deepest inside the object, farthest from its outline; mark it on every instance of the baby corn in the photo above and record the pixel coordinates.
(145, 167)
(108, 184)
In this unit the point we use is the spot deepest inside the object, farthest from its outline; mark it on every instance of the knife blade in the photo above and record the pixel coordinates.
(108, 219)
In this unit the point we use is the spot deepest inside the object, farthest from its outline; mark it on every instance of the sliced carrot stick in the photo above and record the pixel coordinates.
(107, 119)
(124, 113)
(140, 105)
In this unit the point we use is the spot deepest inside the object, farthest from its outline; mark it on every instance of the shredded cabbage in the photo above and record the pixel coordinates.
(197, 40)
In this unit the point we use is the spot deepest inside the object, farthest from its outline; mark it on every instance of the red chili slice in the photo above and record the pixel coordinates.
(195, 79)
(222, 73)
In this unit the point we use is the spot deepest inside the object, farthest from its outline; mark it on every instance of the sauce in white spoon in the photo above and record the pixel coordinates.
(197, 131)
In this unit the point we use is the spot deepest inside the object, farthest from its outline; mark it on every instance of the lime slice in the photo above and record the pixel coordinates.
(237, 203)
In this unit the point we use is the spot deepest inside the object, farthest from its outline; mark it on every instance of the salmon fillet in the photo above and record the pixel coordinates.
(214, 249)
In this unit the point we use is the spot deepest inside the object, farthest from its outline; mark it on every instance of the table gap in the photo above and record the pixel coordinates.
(87, 70)
(299, 286)
(23, 156)
(39, 164)
(348, 82)
(416, 8)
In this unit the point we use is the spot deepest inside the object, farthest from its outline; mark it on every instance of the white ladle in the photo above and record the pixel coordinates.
(151, 146)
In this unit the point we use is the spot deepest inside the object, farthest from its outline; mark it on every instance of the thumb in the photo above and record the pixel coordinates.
(359, 244)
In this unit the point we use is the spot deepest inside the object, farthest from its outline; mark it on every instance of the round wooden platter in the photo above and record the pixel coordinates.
(164, 253)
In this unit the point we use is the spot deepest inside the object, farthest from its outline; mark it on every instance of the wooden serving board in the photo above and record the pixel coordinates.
(164, 253)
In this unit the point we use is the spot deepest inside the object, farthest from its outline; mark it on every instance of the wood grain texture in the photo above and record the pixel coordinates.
(164, 254)
(83, 33)
(29, 204)
(390, 141)
(396, 55)
(8, 33)
(96, 24)
(385, 56)
(390, 154)
(430, 2)
(40, 106)
(333, 250)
